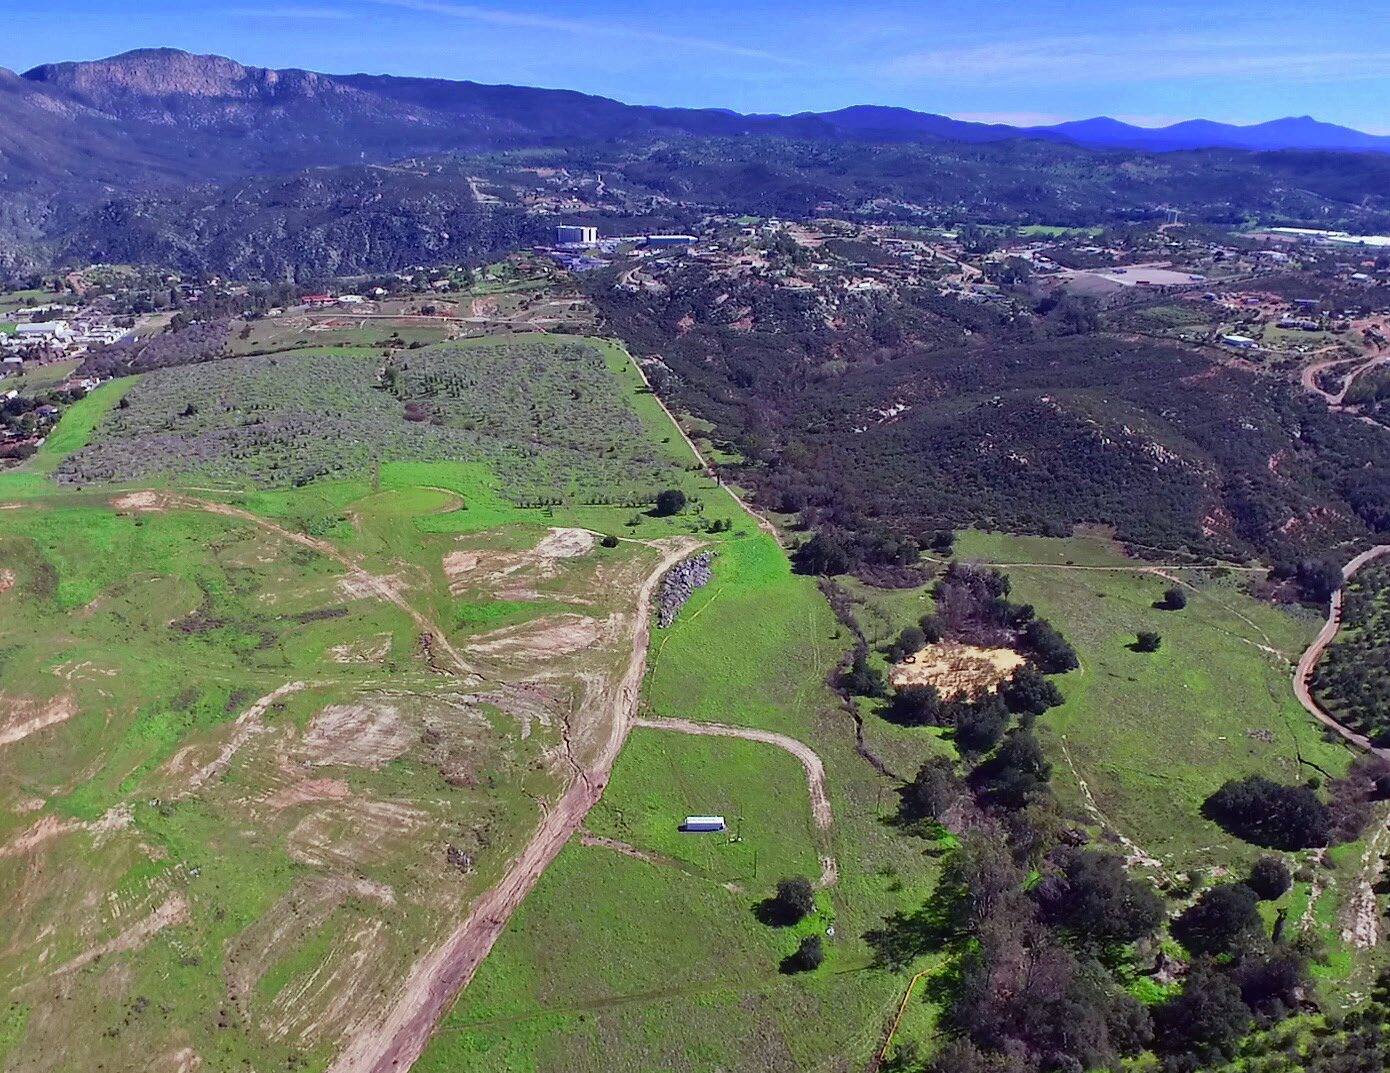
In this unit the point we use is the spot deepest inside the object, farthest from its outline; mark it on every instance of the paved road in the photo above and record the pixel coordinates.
(1303, 674)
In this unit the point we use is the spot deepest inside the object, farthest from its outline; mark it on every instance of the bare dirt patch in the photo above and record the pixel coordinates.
(956, 669)
(248, 724)
(348, 835)
(367, 734)
(308, 791)
(511, 573)
(173, 911)
(140, 501)
(565, 544)
(543, 638)
(7, 580)
(367, 650)
(23, 716)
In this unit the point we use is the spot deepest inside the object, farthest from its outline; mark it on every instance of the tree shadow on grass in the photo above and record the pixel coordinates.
(904, 937)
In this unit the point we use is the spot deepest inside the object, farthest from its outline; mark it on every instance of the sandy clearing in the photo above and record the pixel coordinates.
(956, 669)
(366, 734)
(393, 1041)
(247, 725)
(25, 717)
(543, 638)
(153, 501)
(173, 911)
(467, 567)
(308, 791)
(565, 544)
(815, 770)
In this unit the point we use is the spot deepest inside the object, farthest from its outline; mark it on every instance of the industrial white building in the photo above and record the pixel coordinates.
(576, 235)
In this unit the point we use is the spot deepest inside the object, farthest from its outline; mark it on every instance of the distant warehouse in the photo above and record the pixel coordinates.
(669, 240)
(703, 824)
(1240, 342)
(572, 235)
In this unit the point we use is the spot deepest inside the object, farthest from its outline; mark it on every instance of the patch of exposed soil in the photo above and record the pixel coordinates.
(542, 638)
(140, 501)
(7, 580)
(565, 544)
(513, 574)
(348, 835)
(366, 733)
(174, 910)
(367, 650)
(23, 716)
(307, 791)
(956, 669)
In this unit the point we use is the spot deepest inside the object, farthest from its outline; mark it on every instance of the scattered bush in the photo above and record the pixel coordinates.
(1271, 814)
(669, 502)
(1028, 692)
(1220, 920)
(1269, 878)
(808, 956)
(793, 902)
(1147, 641)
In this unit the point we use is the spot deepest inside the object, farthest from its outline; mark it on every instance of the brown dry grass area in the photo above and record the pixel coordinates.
(956, 669)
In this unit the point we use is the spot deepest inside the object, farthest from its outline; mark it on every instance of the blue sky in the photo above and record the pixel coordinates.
(1017, 61)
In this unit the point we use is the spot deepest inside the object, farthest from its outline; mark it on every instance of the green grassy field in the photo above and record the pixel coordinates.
(595, 973)
(1144, 738)
(261, 902)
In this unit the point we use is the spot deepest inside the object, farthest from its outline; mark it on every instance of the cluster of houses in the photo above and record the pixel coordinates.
(56, 337)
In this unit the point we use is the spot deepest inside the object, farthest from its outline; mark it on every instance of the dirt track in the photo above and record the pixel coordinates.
(382, 587)
(398, 1039)
(1303, 674)
(815, 770)
(763, 524)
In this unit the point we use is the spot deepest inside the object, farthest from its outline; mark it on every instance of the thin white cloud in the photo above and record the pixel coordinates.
(581, 27)
(282, 11)
(1083, 59)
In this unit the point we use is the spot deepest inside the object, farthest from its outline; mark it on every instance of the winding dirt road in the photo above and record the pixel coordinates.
(815, 770)
(1303, 674)
(395, 1041)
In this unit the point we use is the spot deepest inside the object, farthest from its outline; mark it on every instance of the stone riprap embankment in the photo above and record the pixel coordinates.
(680, 583)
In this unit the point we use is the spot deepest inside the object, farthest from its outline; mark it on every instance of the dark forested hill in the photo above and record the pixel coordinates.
(163, 157)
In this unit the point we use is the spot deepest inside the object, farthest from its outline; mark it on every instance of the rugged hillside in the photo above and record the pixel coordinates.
(310, 225)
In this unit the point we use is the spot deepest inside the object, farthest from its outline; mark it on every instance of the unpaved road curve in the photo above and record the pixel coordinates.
(394, 1042)
(1303, 674)
(815, 770)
